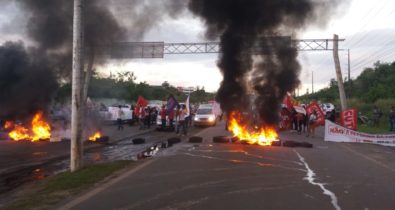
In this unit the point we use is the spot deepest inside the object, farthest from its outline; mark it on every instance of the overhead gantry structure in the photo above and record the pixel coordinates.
(129, 50)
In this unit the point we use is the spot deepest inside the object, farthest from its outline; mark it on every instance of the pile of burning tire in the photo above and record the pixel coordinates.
(279, 143)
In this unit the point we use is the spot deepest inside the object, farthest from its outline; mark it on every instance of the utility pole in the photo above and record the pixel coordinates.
(76, 97)
(349, 75)
(312, 82)
(342, 94)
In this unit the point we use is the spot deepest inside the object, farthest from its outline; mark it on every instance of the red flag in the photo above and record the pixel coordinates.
(348, 118)
(320, 115)
(286, 120)
(290, 102)
(141, 102)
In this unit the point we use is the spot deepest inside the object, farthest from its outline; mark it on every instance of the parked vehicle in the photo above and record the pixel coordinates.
(205, 116)
(110, 114)
(327, 107)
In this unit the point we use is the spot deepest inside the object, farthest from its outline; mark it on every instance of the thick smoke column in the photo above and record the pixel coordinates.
(49, 28)
(25, 82)
(30, 75)
(242, 27)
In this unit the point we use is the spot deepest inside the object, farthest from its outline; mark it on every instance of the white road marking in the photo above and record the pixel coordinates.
(310, 177)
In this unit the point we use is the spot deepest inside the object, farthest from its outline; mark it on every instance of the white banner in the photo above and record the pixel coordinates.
(338, 133)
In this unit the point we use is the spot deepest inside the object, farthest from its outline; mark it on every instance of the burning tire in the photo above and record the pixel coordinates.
(165, 144)
(290, 143)
(276, 143)
(195, 139)
(297, 144)
(138, 141)
(173, 140)
(306, 145)
(103, 139)
(224, 139)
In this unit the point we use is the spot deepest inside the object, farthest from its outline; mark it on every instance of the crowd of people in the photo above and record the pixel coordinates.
(178, 120)
(302, 122)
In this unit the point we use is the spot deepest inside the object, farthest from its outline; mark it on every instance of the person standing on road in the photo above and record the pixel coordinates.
(119, 118)
(148, 117)
(163, 117)
(177, 118)
(312, 124)
(182, 120)
(392, 118)
(142, 118)
(171, 119)
(299, 119)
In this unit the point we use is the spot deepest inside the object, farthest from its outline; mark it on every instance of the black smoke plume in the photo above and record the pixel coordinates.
(26, 81)
(245, 26)
(29, 77)
(49, 26)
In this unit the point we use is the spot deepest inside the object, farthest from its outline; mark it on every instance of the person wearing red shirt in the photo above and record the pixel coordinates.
(171, 119)
(163, 116)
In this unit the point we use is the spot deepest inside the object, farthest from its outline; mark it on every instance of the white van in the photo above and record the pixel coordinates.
(111, 114)
(205, 116)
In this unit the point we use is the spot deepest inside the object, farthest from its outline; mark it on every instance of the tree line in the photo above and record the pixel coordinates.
(374, 86)
(123, 86)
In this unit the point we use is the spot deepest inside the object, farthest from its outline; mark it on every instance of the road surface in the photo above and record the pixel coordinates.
(237, 176)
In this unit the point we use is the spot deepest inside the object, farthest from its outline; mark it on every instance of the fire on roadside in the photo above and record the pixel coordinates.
(263, 135)
(40, 130)
(95, 136)
(8, 124)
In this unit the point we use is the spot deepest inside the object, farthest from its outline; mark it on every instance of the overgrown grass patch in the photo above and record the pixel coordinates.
(59, 187)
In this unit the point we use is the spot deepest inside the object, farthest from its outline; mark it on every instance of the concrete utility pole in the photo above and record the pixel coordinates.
(342, 94)
(312, 82)
(349, 75)
(76, 102)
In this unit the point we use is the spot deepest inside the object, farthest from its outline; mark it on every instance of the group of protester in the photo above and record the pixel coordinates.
(178, 119)
(146, 116)
(302, 121)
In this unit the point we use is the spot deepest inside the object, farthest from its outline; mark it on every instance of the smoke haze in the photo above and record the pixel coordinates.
(242, 27)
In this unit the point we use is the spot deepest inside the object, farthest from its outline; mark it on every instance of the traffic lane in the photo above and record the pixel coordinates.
(359, 180)
(217, 176)
(361, 175)
(14, 155)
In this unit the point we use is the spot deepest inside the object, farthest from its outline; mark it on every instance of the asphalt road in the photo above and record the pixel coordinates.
(25, 162)
(237, 176)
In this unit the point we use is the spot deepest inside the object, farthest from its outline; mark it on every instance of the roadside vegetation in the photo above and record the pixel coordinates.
(373, 87)
(124, 86)
(49, 192)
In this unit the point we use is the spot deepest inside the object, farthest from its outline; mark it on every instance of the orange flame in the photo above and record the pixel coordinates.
(40, 130)
(95, 136)
(19, 133)
(8, 124)
(263, 136)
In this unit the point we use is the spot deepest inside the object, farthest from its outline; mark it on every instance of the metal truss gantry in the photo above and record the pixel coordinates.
(213, 47)
(127, 50)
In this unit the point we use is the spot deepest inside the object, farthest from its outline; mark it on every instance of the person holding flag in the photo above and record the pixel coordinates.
(188, 118)
(171, 105)
(180, 118)
(139, 110)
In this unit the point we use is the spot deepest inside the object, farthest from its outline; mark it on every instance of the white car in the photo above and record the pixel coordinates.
(327, 107)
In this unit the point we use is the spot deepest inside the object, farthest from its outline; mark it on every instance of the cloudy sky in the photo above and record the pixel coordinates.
(368, 27)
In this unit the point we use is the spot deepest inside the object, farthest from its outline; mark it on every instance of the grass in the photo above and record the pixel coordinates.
(382, 128)
(55, 189)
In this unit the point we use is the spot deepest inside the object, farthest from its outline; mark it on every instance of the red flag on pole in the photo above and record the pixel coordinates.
(290, 102)
(141, 102)
(320, 115)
